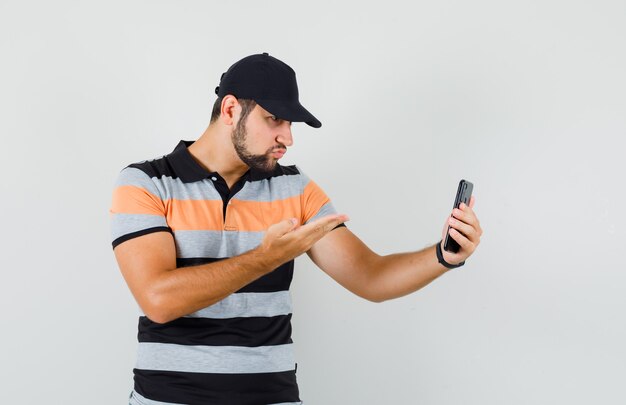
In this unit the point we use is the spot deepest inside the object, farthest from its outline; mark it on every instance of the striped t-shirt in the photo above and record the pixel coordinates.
(239, 350)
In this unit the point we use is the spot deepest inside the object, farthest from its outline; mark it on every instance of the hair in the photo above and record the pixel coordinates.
(246, 106)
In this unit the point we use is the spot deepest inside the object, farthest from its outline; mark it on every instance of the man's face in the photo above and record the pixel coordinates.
(260, 139)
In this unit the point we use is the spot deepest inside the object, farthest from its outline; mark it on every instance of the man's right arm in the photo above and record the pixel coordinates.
(164, 292)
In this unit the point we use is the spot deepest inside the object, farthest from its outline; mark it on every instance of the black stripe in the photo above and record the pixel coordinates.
(180, 164)
(289, 170)
(132, 235)
(278, 171)
(194, 261)
(156, 168)
(278, 280)
(217, 389)
(247, 332)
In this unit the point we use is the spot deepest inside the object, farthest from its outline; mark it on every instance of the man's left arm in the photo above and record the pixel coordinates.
(345, 258)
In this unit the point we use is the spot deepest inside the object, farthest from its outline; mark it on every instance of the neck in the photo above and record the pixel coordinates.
(215, 152)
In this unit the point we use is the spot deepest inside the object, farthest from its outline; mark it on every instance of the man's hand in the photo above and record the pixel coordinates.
(465, 229)
(165, 292)
(286, 240)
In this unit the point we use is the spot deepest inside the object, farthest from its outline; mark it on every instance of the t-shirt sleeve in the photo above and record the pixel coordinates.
(136, 208)
(315, 202)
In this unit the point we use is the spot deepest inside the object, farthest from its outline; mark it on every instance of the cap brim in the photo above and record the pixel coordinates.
(293, 112)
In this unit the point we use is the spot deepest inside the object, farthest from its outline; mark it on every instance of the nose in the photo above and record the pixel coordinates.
(284, 135)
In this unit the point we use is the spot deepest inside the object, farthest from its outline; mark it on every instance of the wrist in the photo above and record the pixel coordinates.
(442, 261)
(266, 259)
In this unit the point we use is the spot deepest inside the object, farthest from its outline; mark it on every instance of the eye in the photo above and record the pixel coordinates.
(274, 118)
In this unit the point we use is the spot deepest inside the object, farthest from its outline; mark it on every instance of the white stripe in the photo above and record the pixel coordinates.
(215, 359)
(248, 305)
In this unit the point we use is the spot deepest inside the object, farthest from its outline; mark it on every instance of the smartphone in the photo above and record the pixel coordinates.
(463, 195)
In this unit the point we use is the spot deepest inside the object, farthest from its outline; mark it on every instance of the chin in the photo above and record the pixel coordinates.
(268, 168)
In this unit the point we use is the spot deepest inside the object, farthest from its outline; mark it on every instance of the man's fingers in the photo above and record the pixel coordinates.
(465, 243)
(331, 223)
(466, 214)
(472, 219)
(284, 226)
(462, 227)
(320, 226)
(324, 225)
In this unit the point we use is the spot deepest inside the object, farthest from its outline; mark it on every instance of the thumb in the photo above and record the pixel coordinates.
(286, 226)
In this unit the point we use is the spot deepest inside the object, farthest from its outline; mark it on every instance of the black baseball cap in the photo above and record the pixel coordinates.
(271, 83)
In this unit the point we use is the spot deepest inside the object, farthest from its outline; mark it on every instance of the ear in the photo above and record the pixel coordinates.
(230, 109)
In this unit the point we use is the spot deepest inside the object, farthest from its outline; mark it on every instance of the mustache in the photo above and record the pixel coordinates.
(277, 148)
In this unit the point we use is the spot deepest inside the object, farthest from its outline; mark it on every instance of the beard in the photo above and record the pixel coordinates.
(264, 163)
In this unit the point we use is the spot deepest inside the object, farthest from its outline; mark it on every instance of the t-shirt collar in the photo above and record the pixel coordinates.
(189, 170)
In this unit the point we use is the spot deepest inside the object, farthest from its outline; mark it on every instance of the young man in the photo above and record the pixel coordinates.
(206, 237)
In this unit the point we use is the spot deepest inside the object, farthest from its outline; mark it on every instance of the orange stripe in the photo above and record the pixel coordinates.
(259, 215)
(313, 199)
(253, 216)
(136, 200)
(194, 215)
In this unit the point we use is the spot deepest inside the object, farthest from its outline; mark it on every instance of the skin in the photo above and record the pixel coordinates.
(230, 147)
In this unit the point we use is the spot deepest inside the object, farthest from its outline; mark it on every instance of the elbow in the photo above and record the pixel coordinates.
(159, 317)
(156, 308)
(374, 290)
(376, 298)
(372, 295)
(369, 288)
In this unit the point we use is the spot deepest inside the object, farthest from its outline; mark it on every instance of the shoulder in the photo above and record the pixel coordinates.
(284, 174)
(145, 174)
(157, 167)
(294, 175)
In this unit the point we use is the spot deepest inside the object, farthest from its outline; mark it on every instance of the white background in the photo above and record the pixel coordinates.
(526, 99)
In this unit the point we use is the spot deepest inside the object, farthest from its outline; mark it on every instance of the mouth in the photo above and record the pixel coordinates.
(278, 153)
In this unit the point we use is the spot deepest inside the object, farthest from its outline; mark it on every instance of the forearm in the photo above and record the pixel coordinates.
(399, 274)
(184, 290)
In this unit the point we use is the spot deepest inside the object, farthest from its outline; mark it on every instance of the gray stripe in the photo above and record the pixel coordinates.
(131, 176)
(122, 224)
(175, 189)
(137, 399)
(275, 188)
(168, 188)
(326, 209)
(215, 359)
(215, 244)
(247, 305)
(289, 403)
